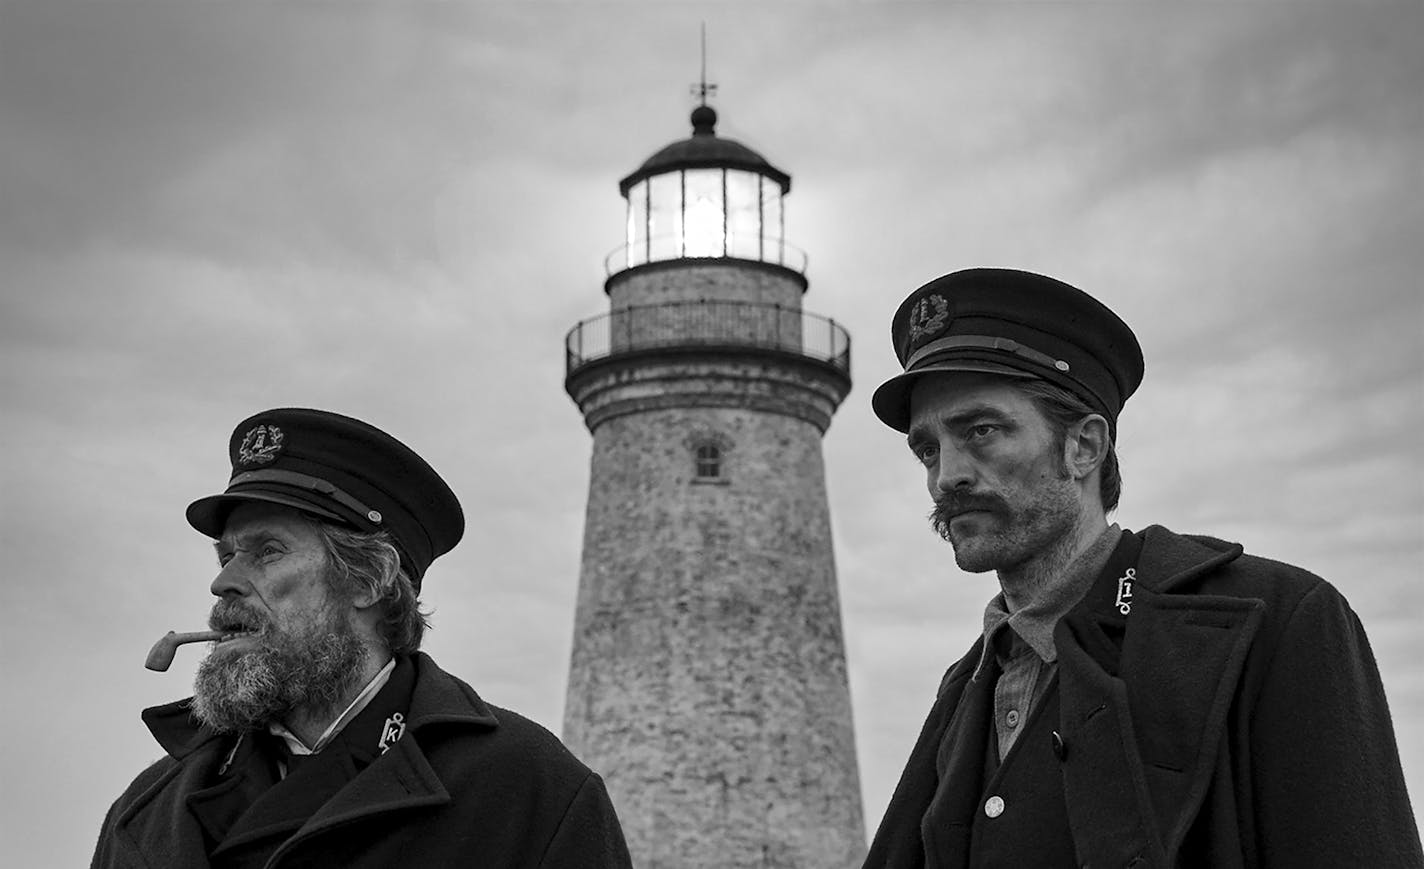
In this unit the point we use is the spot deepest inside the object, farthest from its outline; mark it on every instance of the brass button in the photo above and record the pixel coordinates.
(994, 806)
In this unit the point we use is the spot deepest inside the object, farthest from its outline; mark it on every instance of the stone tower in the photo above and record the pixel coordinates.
(708, 680)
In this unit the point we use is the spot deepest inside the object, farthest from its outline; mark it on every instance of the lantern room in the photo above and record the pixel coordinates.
(706, 197)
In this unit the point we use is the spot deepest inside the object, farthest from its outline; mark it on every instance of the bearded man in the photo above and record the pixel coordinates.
(1137, 699)
(318, 733)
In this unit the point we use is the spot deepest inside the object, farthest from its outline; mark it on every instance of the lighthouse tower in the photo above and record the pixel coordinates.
(708, 676)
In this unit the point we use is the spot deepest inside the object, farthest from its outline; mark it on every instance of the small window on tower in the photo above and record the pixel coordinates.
(709, 462)
(708, 451)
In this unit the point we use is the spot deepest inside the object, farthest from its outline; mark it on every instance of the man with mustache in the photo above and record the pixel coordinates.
(318, 734)
(1140, 699)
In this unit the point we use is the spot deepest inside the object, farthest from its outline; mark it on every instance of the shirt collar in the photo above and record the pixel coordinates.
(297, 747)
(1035, 622)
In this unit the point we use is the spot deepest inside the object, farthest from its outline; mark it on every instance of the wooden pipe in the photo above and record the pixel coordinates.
(160, 657)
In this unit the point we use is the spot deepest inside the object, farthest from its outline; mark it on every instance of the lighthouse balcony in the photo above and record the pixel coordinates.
(708, 325)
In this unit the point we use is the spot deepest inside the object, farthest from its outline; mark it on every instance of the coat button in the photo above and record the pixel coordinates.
(994, 806)
(1060, 750)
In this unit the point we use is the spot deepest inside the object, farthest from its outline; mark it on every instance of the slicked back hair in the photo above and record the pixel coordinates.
(368, 562)
(1061, 409)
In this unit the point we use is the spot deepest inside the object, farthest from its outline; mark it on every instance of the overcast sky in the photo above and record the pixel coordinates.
(396, 211)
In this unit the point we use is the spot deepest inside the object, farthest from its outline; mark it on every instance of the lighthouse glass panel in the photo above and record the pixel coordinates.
(665, 216)
(704, 215)
(743, 214)
(638, 237)
(773, 229)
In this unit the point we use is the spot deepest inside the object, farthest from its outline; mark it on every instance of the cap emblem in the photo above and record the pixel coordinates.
(260, 445)
(927, 317)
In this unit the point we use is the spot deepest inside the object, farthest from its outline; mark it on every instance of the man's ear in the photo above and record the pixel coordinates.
(1086, 447)
(365, 599)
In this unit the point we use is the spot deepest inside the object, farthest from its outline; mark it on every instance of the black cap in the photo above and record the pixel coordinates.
(1014, 323)
(343, 470)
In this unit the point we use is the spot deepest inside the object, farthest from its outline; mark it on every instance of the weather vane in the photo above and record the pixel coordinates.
(702, 90)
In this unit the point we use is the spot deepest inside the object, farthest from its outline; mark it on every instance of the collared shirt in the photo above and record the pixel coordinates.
(298, 748)
(1022, 641)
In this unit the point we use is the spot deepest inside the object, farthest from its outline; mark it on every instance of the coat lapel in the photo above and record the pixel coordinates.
(402, 777)
(1142, 733)
(959, 760)
(157, 828)
(245, 774)
(157, 825)
(160, 826)
(898, 841)
(282, 808)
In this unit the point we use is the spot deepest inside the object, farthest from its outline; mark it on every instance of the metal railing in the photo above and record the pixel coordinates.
(674, 247)
(708, 324)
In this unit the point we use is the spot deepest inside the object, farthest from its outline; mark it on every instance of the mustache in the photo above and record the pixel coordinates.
(947, 505)
(230, 616)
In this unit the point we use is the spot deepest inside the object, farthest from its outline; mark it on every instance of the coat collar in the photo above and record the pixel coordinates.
(175, 728)
(403, 777)
(1143, 721)
(1169, 561)
(400, 779)
(1035, 622)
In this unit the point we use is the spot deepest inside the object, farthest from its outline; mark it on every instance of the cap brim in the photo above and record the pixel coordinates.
(891, 400)
(209, 515)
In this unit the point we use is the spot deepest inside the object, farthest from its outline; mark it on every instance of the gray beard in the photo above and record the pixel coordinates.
(312, 668)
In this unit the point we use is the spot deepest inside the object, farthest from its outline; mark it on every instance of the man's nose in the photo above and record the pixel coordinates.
(952, 471)
(231, 579)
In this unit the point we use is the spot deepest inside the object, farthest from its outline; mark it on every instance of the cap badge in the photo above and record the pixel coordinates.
(927, 317)
(260, 445)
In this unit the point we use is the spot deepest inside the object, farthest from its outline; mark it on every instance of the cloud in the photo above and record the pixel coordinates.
(399, 211)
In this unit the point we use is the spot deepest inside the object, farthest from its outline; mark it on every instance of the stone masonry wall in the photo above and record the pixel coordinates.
(708, 681)
(749, 379)
(705, 281)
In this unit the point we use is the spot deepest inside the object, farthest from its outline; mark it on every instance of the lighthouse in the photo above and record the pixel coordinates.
(708, 675)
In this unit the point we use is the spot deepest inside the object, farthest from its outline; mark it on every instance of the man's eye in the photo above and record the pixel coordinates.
(224, 559)
(269, 550)
(982, 431)
(925, 452)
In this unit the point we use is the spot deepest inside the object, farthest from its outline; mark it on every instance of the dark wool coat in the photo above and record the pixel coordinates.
(1239, 721)
(468, 784)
